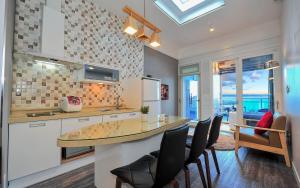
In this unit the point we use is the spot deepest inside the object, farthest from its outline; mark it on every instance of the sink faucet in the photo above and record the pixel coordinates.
(118, 102)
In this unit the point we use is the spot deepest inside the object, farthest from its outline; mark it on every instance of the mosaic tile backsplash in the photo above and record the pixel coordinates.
(92, 35)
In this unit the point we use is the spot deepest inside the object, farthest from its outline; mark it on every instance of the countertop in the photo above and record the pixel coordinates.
(118, 131)
(21, 116)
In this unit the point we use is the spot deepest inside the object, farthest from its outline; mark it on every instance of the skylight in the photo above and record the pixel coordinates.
(184, 5)
(184, 11)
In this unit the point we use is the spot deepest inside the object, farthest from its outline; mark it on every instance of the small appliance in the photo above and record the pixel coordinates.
(71, 104)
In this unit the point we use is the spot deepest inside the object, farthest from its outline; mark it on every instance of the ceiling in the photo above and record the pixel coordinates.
(235, 16)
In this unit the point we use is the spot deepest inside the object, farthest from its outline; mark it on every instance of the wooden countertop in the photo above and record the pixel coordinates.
(21, 116)
(118, 131)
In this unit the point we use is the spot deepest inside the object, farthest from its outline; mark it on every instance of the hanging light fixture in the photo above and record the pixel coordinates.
(272, 64)
(141, 32)
(130, 26)
(155, 40)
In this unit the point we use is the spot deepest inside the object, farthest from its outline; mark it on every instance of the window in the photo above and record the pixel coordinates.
(184, 11)
(258, 91)
(184, 5)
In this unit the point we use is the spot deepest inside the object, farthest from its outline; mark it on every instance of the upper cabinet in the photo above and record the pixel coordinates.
(52, 36)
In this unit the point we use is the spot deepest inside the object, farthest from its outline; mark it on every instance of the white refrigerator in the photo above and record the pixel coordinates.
(151, 95)
(143, 92)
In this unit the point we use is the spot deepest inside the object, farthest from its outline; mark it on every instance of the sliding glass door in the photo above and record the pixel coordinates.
(258, 89)
(190, 96)
(224, 89)
(190, 91)
(243, 90)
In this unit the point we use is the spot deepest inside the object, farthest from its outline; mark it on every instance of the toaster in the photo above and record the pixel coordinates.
(71, 104)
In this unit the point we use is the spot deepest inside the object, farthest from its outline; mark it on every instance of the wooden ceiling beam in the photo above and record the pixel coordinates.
(140, 18)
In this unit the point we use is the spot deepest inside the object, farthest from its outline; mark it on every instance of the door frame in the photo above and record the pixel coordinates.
(239, 82)
(180, 96)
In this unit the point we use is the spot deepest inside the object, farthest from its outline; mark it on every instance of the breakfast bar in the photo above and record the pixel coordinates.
(119, 143)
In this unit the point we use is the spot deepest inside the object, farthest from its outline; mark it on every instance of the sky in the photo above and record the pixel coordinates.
(254, 82)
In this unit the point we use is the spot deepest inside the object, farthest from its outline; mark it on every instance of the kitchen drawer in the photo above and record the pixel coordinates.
(112, 117)
(32, 147)
(72, 124)
(132, 115)
(123, 116)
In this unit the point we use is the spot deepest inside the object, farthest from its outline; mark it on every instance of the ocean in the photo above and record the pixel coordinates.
(251, 102)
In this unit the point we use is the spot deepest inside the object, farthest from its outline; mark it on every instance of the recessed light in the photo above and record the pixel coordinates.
(211, 29)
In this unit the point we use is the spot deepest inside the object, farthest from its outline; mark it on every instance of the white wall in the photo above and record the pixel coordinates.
(291, 62)
(256, 41)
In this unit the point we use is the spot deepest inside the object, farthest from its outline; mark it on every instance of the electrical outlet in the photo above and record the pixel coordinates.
(18, 92)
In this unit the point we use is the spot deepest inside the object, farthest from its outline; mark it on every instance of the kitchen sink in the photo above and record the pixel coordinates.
(39, 114)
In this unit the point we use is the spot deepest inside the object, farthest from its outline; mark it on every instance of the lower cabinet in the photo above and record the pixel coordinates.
(72, 124)
(32, 147)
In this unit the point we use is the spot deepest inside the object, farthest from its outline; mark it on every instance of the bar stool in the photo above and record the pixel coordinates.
(151, 172)
(197, 147)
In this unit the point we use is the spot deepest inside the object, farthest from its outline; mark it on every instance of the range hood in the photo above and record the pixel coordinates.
(96, 74)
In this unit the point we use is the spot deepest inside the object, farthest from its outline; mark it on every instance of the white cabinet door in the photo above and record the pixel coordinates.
(72, 124)
(53, 32)
(32, 147)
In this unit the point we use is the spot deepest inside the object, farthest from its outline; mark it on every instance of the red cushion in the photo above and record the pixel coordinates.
(265, 122)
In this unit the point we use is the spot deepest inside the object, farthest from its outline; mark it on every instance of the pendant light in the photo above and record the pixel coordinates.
(141, 32)
(130, 25)
(155, 40)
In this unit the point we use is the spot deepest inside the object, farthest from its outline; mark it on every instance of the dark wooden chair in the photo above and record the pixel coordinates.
(197, 147)
(152, 172)
(212, 139)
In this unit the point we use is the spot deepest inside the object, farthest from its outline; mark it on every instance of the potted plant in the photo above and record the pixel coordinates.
(144, 111)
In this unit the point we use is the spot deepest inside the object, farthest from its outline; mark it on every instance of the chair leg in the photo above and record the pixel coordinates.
(284, 149)
(200, 169)
(187, 177)
(207, 169)
(237, 139)
(213, 152)
(174, 183)
(118, 183)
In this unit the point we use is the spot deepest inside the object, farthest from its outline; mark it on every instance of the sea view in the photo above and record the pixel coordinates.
(251, 102)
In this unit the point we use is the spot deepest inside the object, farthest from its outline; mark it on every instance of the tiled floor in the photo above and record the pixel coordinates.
(252, 169)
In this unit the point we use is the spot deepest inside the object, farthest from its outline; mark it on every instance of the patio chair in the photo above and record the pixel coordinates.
(274, 140)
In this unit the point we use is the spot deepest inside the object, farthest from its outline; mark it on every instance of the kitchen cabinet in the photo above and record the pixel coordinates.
(32, 147)
(72, 124)
(52, 32)
(123, 116)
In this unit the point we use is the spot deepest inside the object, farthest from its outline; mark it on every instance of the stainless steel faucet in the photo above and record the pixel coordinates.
(118, 103)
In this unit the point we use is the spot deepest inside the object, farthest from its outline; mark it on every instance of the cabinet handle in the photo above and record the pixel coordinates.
(132, 114)
(84, 119)
(32, 125)
(114, 116)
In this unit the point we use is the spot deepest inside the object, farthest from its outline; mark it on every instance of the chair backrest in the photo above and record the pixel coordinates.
(199, 140)
(171, 156)
(214, 130)
(279, 122)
